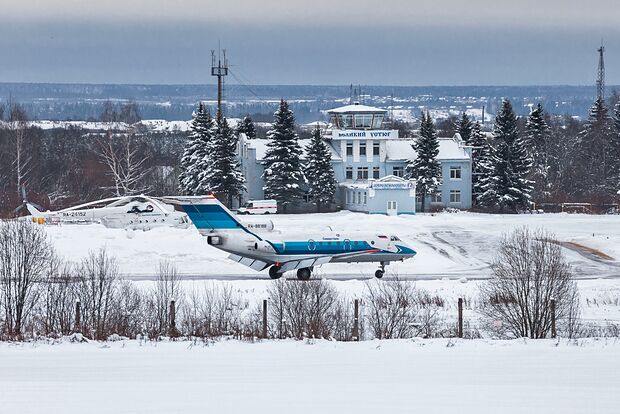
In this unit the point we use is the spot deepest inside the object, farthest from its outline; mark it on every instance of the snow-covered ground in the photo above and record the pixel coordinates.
(397, 376)
(452, 245)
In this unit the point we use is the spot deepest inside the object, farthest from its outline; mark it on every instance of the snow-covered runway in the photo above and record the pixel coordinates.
(397, 376)
(450, 245)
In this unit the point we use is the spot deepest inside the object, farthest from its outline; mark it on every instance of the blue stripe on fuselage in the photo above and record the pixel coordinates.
(321, 247)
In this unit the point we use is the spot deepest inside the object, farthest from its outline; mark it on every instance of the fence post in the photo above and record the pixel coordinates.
(553, 332)
(264, 318)
(173, 325)
(356, 320)
(78, 317)
(460, 326)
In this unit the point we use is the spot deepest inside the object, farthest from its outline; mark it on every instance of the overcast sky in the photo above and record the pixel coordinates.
(390, 42)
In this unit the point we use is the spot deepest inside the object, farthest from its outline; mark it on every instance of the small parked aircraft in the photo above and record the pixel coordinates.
(128, 212)
(224, 231)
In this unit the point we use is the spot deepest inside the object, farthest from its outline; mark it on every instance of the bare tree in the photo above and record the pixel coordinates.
(391, 308)
(25, 258)
(18, 127)
(126, 165)
(98, 280)
(529, 272)
(167, 288)
(305, 309)
(58, 300)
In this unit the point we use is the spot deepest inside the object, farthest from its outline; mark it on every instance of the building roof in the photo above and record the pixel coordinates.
(261, 148)
(357, 108)
(449, 149)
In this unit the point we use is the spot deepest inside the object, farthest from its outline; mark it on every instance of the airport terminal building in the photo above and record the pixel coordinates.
(369, 163)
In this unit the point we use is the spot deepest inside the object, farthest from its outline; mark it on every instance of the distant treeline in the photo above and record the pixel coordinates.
(175, 102)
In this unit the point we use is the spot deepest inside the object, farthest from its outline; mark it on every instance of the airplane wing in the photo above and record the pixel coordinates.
(259, 265)
(251, 263)
(298, 264)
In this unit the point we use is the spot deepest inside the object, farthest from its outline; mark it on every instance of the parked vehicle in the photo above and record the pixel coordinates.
(259, 207)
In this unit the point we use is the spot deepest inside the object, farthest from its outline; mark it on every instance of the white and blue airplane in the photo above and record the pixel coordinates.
(302, 253)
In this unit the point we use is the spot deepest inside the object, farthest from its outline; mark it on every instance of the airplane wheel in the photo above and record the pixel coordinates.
(273, 272)
(304, 273)
(379, 274)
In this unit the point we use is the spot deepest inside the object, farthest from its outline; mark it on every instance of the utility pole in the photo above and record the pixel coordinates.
(219, 68)
(600, 80)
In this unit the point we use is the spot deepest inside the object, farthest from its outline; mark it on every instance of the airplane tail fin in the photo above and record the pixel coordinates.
(33, 210)
(208, 214)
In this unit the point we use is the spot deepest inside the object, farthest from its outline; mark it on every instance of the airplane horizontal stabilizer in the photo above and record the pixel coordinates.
(251, 263)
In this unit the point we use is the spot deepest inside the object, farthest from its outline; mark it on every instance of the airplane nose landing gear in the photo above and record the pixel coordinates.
(381, 271)
(274, 272)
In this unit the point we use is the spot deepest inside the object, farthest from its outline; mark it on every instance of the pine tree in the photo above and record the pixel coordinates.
(506, 186)
(464, 128)
(222, 175)
(537, 137)
(425, 169)
(193, 160)
(319, 171)
(246, 126)
(283, 172)
(593, 160)
(480, 160)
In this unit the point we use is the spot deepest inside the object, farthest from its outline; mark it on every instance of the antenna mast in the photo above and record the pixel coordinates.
(220, 70)
(600, 80)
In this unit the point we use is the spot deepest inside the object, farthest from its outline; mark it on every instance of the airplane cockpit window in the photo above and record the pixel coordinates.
(394, 238)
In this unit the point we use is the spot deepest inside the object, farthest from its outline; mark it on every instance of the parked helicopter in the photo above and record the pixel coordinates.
(128, 212)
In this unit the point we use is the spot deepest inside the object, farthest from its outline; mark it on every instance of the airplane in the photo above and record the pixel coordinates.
(128, 212)
(302, 253)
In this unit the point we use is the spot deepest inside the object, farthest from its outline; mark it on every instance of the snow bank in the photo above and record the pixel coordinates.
(404, 376)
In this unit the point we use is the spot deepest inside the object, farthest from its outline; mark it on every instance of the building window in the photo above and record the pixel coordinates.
(376, 148)
(362, 173)
(348, 197)
(362, 148)
(377, 121)
(455, 173)
(455, 196)
(365, 199)
(436, 197)
(398, 171)
(359, 198)
(349, 149)
(375, 172)
(349, 173)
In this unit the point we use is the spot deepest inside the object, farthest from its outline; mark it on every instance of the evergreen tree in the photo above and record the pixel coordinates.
(283, 173)
(480, 160)
(319, 171)
(464, 128)
(222, 174)
(247, 127)
(593, 160)
(537, 137)
(194, 158)
(425, 169)
(506, 186)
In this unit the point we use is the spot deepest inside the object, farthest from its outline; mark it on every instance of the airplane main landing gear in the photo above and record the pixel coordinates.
(274, 272)
(304, 273)
(381, 271)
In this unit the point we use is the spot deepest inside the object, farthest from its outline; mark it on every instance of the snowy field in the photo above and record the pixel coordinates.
(398, 376)
(451, 245)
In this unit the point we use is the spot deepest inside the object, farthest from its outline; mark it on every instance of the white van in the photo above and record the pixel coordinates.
(259, 207)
